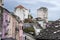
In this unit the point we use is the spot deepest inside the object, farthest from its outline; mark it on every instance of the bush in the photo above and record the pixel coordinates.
(29, 29)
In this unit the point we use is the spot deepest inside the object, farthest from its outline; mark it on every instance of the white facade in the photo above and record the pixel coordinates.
(40, 14)
(22, 13)
(41, 23)
(43, 14)
(37, 30)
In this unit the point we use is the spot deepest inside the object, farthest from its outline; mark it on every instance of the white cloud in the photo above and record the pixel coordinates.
(52, 10)
(55, 2)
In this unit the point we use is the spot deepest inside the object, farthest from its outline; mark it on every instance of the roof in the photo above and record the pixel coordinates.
(44, 8)
(20, 6)
(58, 19)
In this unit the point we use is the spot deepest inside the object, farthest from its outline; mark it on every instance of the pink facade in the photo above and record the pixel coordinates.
(20, 31)
(5, 22)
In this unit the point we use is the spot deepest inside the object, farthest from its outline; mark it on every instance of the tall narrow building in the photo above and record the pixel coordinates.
(3, 21)
(22, 12)
(13, 23)
(42, 13)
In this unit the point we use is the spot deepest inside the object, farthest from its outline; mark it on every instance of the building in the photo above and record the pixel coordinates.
(10, 30)
(42, 13)
(22, 12)
(3, 20)
(9, 25)
(13, 29)
(1, 2)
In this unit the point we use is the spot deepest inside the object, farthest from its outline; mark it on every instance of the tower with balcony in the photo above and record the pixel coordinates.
(42, 13)
(22, 12)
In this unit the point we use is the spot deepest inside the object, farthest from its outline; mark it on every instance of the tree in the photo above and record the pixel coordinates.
(29, 29)
(30, 16)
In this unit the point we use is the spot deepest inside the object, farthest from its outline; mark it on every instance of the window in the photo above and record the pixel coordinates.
(24, 12)
(7, 32)
(1, 18)
(0, 10)
(24, 15)
(9, 20)
(6, 20)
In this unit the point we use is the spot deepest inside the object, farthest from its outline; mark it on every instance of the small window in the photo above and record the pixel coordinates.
(22, 27)
(24, 14)
(7, 24)
(7, 32)
(6, 20)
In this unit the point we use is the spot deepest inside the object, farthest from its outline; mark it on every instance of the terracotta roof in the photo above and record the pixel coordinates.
(20, 6)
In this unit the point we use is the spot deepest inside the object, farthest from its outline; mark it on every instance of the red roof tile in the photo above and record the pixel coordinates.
(20, 6)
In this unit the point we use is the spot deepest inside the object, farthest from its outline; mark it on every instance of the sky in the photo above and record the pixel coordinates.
(52, 5)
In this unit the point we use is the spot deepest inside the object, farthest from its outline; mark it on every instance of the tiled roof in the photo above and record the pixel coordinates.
(20, 6)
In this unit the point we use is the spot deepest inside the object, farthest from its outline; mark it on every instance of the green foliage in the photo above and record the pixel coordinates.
(29, 29)
(30, 16)
(28, 21)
